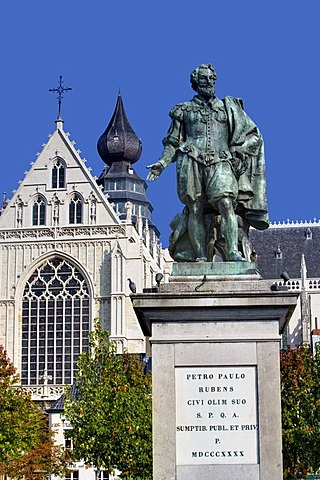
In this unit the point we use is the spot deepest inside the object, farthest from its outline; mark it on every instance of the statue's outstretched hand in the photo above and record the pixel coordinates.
(155, 171)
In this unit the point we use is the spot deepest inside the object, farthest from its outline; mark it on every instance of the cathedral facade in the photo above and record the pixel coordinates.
(68, 246)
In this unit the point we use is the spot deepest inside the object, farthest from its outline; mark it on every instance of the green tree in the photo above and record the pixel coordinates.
(300, 398)
(26, 444)
(19, 425)
(110, 410)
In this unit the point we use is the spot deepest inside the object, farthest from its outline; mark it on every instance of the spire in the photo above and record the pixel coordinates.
(147, 234)
(119, 141)
(119, 147)
(139, 224)
(303, 270)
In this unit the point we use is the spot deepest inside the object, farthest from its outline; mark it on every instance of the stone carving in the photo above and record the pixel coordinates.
(219, 157)
(19, 207)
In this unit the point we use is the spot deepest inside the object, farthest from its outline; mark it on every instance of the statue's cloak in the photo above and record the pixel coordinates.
(252, 195)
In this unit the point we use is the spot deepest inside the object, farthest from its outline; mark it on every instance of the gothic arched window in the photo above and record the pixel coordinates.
(58, 175)
(39, 211)
(55, 322)
(75, 209)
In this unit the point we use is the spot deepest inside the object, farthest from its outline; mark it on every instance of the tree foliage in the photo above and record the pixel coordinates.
(26, 444)
(110, 410)
(300, 397)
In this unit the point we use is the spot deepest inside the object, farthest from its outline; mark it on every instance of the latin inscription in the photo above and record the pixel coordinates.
(216, 415)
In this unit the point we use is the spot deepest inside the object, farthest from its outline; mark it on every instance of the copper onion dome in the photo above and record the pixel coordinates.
(119, 141)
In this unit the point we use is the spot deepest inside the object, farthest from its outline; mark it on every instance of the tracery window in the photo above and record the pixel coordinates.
(75, 209)
(55, 322)
(58, 175)
(39, 211)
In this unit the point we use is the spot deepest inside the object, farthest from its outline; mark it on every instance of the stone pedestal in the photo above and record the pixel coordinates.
(216, 383)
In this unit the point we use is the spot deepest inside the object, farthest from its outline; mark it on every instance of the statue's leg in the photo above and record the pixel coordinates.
(196, 230)
(229, 228)
(244, 242)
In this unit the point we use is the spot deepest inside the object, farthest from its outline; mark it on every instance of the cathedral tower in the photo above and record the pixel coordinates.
(120, 148)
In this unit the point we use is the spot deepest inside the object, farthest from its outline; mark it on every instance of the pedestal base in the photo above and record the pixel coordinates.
(216, 382)
(213, 269)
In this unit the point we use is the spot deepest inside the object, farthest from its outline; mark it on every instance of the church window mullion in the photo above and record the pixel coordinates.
(29, 336)
(68, 322)
(82, 313)
(58, 175)
(42, 340)
(32, 343)
(49, 346)
(72, 313)
(73, 335)
(58, 343)
(75, 209)
(63, 333)
(63, 342)
(37, 376)
(38, 212)
(52, 337)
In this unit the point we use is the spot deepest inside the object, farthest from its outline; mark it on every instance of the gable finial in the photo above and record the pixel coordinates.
(60, 90)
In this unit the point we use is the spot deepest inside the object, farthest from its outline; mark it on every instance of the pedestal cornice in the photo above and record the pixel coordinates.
(214, 301)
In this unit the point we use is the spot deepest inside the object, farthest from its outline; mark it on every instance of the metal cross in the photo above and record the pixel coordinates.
(59, 90)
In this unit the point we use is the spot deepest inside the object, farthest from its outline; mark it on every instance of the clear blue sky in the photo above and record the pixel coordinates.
(266, 52)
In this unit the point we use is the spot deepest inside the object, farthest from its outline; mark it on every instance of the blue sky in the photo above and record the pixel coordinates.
(265, 52)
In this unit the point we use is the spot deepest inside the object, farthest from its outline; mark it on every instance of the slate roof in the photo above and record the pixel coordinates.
(280, 247)
(57, 406)
(119, 141)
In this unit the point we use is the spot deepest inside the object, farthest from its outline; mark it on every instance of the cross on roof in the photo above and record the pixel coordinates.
(59, 90)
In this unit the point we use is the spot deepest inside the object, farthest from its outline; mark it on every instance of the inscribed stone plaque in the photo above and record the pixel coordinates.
(216, 415)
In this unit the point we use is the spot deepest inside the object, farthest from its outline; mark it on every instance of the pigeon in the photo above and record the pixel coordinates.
(253, 256)
(159, 277)
(132, 286)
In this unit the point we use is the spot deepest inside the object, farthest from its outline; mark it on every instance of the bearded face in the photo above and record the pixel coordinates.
(206, 83)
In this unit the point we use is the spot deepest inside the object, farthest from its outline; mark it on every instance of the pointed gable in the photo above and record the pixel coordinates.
(58, 190)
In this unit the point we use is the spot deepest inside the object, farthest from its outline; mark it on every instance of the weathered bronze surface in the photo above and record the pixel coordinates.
(219, 157)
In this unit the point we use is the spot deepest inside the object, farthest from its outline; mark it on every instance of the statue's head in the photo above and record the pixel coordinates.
(203, 78)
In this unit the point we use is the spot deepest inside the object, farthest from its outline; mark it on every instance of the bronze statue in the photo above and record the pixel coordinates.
(219, 157)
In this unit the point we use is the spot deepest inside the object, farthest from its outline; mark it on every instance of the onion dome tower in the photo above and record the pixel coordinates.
(120, 147)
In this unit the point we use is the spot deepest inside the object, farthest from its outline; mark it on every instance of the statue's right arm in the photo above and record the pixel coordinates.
(157, 168)
(171, 142)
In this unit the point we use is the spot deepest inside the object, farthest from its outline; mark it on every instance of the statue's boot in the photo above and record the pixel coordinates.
(235, 257)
